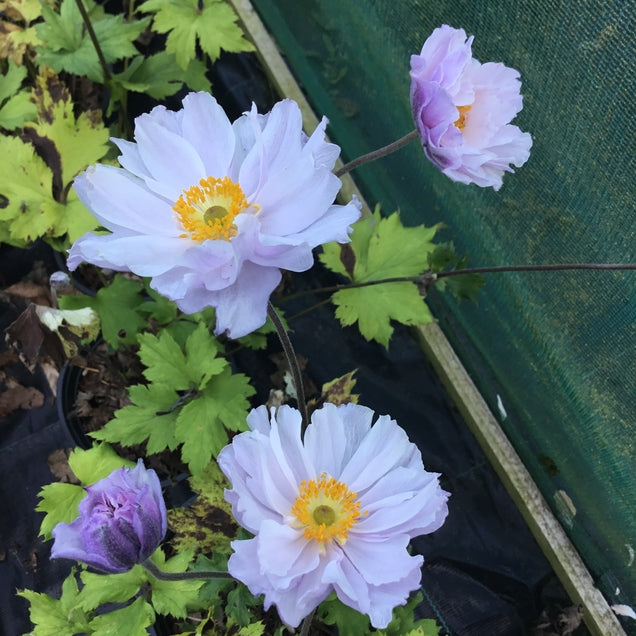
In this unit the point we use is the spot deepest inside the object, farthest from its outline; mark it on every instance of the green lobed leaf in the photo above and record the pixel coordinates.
(95, 463)
(373, 308)
(77, 141)
(59, 502)
(381, 248)
(167, 363)
(348, 621)
(69, 47)
(128, 621)
(405, 624)
(52, 617)
(110, 588)
(239, 602)
(28, 209)
(159, 75)
(174, 597)
(202, 423)
(214, 25)
(16, 106)
(151, 417)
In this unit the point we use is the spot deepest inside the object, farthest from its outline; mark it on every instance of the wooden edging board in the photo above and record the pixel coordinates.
(548, 532)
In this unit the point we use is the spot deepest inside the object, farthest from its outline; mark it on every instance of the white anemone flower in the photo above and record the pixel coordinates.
(334, 511)
(212, 210)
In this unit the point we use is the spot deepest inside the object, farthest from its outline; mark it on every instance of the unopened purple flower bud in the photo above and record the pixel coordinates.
(122, 521)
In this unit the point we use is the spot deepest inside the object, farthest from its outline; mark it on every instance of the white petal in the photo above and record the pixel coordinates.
(120, 201)
(285, 552)
(138, 254)
(209, 131)
(171, 161)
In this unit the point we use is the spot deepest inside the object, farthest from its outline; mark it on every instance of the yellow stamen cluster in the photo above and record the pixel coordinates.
(326, 509)
(463, 111)
(207, 211)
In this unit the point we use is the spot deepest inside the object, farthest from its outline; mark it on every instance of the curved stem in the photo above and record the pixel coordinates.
(93, 37)
(377, 154)
(429, 278)
(291, 361)
(536, 268)
(304, 628)
(182, 576)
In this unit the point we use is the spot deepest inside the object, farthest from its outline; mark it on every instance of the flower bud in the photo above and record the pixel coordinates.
(122, 521)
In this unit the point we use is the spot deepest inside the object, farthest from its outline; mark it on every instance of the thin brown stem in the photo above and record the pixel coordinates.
(93, 37)
(377, 154)
(304, 628)
(183, 576)
(537, 268)
(429, 278)
(292, 361)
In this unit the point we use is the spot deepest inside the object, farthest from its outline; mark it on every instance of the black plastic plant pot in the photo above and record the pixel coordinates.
(67, 389)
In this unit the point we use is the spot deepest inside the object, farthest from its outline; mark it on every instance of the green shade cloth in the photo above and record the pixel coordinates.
(557, 349)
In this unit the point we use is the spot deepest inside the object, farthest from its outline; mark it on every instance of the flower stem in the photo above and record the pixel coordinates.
(429, 278)
(304, 628)
(182, 576)
(93, 37)
(377, 154)
(292, 361)
(536, 268)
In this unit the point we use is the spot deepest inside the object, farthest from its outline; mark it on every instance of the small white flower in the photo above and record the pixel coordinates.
(213, 210)
(335, 511)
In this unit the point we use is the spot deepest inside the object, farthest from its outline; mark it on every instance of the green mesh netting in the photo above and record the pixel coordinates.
(558, 348)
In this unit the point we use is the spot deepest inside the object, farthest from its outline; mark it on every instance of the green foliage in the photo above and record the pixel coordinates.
(464, 286)
(66, 44)
(117, 306)
(347, 621)
(16, 106)
(193, 399)
(37, 169)
(404, 623)
(132, 620)
(17, 33)
(53, 617)
(381, 248)
(174, 597)
(350, 622)
(206, 525)
(59, 502)
(213, 26)
(159, 76)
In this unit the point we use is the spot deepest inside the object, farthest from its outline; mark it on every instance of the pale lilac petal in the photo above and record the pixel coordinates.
(242, 308)
(127, 253)
(207, 128)
(285, 553)
(382, 449)
(475, 145)
(378, 560)
(169, 158)
(120, 202)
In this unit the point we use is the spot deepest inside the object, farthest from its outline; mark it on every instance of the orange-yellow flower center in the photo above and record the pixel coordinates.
(207, 211)
(326, 509)
(461, 120)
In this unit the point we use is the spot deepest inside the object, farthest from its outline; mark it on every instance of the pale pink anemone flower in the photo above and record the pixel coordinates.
(463, 109)
(334, 511)
(213, 210)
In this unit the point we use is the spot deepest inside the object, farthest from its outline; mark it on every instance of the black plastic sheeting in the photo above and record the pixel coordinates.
(483, 574)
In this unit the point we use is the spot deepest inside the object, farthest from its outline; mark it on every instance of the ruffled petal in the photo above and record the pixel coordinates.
(209, 131)
(127, 253)
(120, 202)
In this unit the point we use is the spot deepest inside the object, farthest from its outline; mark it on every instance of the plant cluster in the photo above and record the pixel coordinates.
(298, 514)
